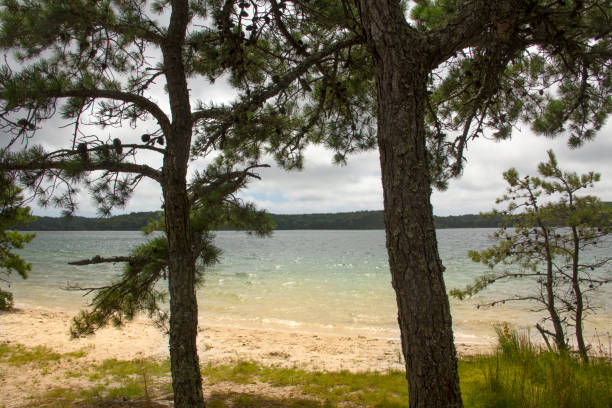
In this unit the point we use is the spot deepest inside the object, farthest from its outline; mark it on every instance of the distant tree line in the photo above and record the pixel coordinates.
(373, 220)
(359, 220)
(126, 222)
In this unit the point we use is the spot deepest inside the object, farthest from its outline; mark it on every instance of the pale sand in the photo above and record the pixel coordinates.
(216, 344)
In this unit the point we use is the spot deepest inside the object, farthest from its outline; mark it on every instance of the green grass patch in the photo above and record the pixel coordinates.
(113, 380)
(18, 355)
(221, 400)
(123, 368)
(518, 374)
(522, 378)
(366, 389)
(546, 380)
(116, 383)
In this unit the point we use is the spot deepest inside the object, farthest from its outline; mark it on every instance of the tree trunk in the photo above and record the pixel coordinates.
(560, 340)
(582, 348)
(424, 318)
(423, 309)
(184, 362)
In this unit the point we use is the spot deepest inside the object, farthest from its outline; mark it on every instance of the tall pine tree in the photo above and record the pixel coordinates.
(552, 228)
(436, 75)
(448, 72)
(102, 65)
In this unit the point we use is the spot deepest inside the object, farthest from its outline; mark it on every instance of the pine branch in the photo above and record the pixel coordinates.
(117, 95)
(85, 166)
(98, 259)
(510, 299)
(256, 99)
(233, 181)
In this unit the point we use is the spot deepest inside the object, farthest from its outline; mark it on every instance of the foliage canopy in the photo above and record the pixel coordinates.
(12, 214)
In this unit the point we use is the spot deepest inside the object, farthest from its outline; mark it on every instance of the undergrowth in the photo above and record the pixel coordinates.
(518, 374)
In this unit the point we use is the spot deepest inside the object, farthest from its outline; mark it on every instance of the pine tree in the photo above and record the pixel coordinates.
(448, 72)
(437, 75)
(96, 65)
(551, 227)
(13, 213)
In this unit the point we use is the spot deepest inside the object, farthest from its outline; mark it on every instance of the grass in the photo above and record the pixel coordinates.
(16, 355)
(331, 388)
(114, 383)
(518, 375)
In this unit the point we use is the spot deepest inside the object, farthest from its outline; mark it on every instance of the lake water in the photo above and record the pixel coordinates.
(313, 281)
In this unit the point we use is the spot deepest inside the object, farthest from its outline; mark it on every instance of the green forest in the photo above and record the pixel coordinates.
(358, 220)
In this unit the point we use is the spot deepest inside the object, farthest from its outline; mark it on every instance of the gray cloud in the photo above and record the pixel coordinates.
(324, 187)
(482, 180)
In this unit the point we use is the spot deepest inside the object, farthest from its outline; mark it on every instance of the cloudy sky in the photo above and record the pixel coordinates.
(324, 187)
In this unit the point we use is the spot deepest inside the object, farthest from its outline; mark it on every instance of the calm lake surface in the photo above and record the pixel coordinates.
(314, 281)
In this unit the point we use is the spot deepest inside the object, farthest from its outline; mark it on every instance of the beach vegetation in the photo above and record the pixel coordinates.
(553, 227)
(522, 374)
(6, 300)
(125, 368)
(13, 213)
(518, 373)
(17, 355)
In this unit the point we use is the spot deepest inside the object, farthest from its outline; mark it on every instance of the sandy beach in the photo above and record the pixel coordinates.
(217, 344)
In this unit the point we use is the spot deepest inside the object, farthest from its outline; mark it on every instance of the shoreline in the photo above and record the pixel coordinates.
(241, 366)
(33, 327)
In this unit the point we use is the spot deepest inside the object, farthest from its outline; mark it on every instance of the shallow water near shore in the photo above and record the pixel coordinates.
(308, 281)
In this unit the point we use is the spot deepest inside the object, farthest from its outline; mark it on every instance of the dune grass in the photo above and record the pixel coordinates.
(518, 374)
(17, 355)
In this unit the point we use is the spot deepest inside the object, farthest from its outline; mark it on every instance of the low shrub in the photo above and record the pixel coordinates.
(6, 300)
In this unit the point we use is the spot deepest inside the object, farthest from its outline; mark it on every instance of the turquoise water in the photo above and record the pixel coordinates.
(314, 281)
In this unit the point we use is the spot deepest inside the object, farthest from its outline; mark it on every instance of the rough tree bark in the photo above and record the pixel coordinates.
(184, 362)
(579, 311)
(186, 379)
(423, 308)
(550, 293)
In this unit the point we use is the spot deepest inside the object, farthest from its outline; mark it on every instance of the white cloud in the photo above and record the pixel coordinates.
(321, 186)
(482, 180)
(325, 187)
